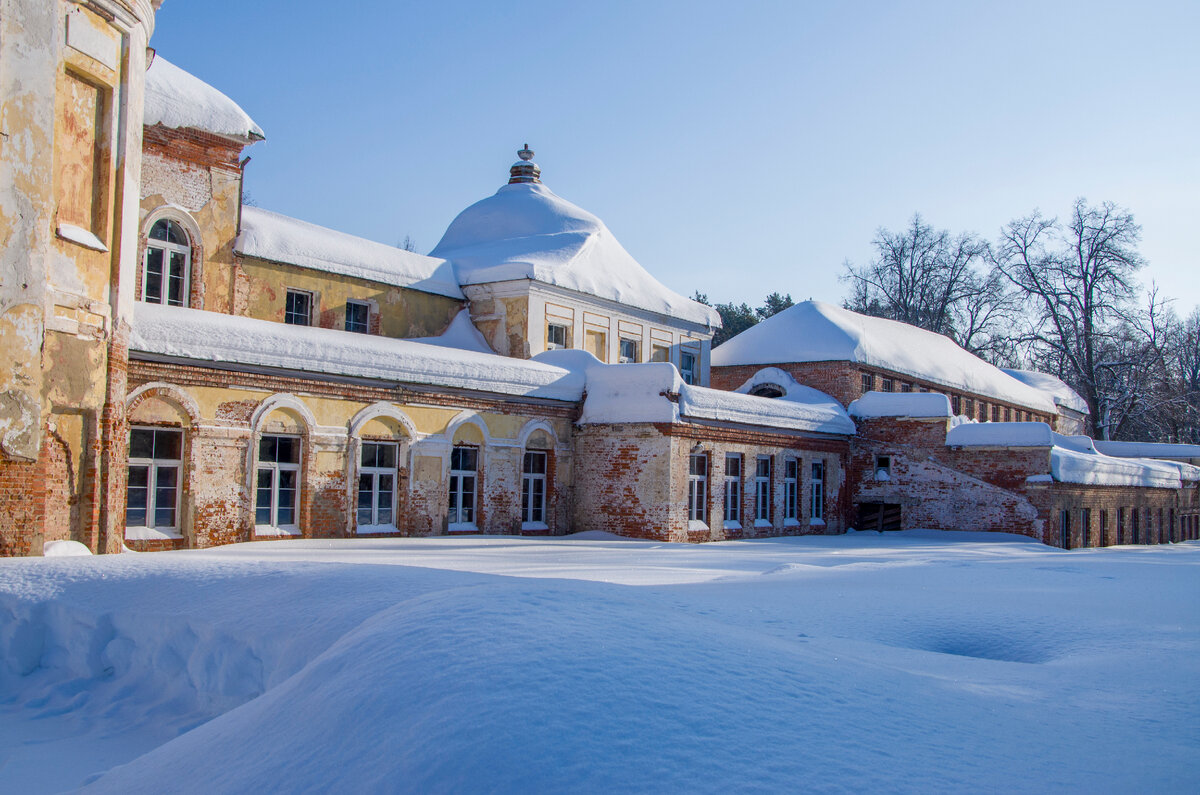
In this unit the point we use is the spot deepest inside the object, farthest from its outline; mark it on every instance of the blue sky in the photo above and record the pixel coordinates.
(732, 150)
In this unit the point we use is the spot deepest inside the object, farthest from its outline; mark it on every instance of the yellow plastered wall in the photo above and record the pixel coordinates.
(402, 312)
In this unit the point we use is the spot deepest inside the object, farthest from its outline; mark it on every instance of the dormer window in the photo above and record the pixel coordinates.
(768, 391)
(556, 336)
(166, 269)
(629, 350)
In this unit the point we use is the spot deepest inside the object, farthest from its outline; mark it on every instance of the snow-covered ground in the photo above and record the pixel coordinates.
(918, 661)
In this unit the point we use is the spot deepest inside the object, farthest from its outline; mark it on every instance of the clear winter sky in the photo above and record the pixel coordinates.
(733, 148)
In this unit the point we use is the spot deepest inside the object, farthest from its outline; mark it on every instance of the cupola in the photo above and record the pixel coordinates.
(524, 170)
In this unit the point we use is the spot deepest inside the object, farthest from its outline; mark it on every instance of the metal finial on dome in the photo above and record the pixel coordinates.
(524, 170)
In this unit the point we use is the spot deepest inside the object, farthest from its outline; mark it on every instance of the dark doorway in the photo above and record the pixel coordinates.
(878, 516)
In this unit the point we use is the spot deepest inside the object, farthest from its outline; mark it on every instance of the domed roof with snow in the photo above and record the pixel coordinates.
(813, 331)
(526, 231)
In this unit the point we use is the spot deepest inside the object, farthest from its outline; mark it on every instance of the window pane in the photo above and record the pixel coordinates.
(175, 233)
(168, 445)
(288, 450)
(733, 465)
(136, 495)
(383, 499)
(175, 279)
(370, 453)
(141, 443)
(386, 456)
(152, 286)
(262, 497)
(159, 230)
(267, 448)
(285, 502)
(535, 463)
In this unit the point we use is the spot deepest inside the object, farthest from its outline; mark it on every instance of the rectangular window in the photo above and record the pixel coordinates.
(906, 387)
(533, 491)
(1134, 517)
(1086, 527)
(153, 490)
(687, 367)
(1007, 414)
(1102, 535)
(277, 487)
(358, 317)
(597, 344)
(883, 467)
(377, 487)
(464, 464)
(762, 491)
(556, 336)
(1121, 526)
(968, 407)
(889, 385)
(1064, 529)
(995, 413)
(956, 404)
(791, 490)
(868, 382)
(297, 308)
(697, 487)
(818, 492)
(982, 411)
(660, 353)
(733, 490)
(629, 350)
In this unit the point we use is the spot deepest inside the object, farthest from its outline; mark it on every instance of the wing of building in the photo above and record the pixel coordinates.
(186, 371)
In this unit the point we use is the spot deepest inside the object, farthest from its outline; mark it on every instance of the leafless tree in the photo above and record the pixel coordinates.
(937, 281)
(1079, 278)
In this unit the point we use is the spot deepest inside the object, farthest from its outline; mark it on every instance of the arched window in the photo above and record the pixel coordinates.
(768, 391)
(167, 268)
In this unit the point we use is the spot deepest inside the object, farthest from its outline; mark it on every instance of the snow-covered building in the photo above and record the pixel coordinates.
(259, 376)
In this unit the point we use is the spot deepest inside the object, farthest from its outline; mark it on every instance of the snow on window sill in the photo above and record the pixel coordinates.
(761, 523)
(791, 522)
(816, 522)
(279, 532)
(733, 525)
(695, 525)
(1040, 479)
(151, 534)
(534, 526)
(372, 529)
(81, 236)
(462, 527)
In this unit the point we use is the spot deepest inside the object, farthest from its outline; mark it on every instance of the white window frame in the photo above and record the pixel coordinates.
(733, 493)
(627, 350)
(153, 464)
(312, 300)
(168, 247)
(791, 491)
(698, 489)
(273, 527)
(762, 491)
(817, 501)
(551, 343)
(686, 372)
(456, 495)
(366, 307)
(533, 491)
(375, 473)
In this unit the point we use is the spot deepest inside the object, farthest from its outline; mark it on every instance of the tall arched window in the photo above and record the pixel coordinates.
(167, 268)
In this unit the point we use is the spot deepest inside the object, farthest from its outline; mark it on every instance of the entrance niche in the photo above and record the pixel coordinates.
(879, 516)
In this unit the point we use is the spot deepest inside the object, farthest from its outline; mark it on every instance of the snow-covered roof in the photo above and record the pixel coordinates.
(901, 404)
(525, 231)
(618, 393)
(813, 331)
(1055, 387)
(461, 334)
(213, 337)
(1149, 450)
(279, 238)
(178, 99)
(1075, 459)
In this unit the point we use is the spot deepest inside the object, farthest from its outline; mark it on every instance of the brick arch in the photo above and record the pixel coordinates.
(377, 410)
(168, 392)
(308, 423)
